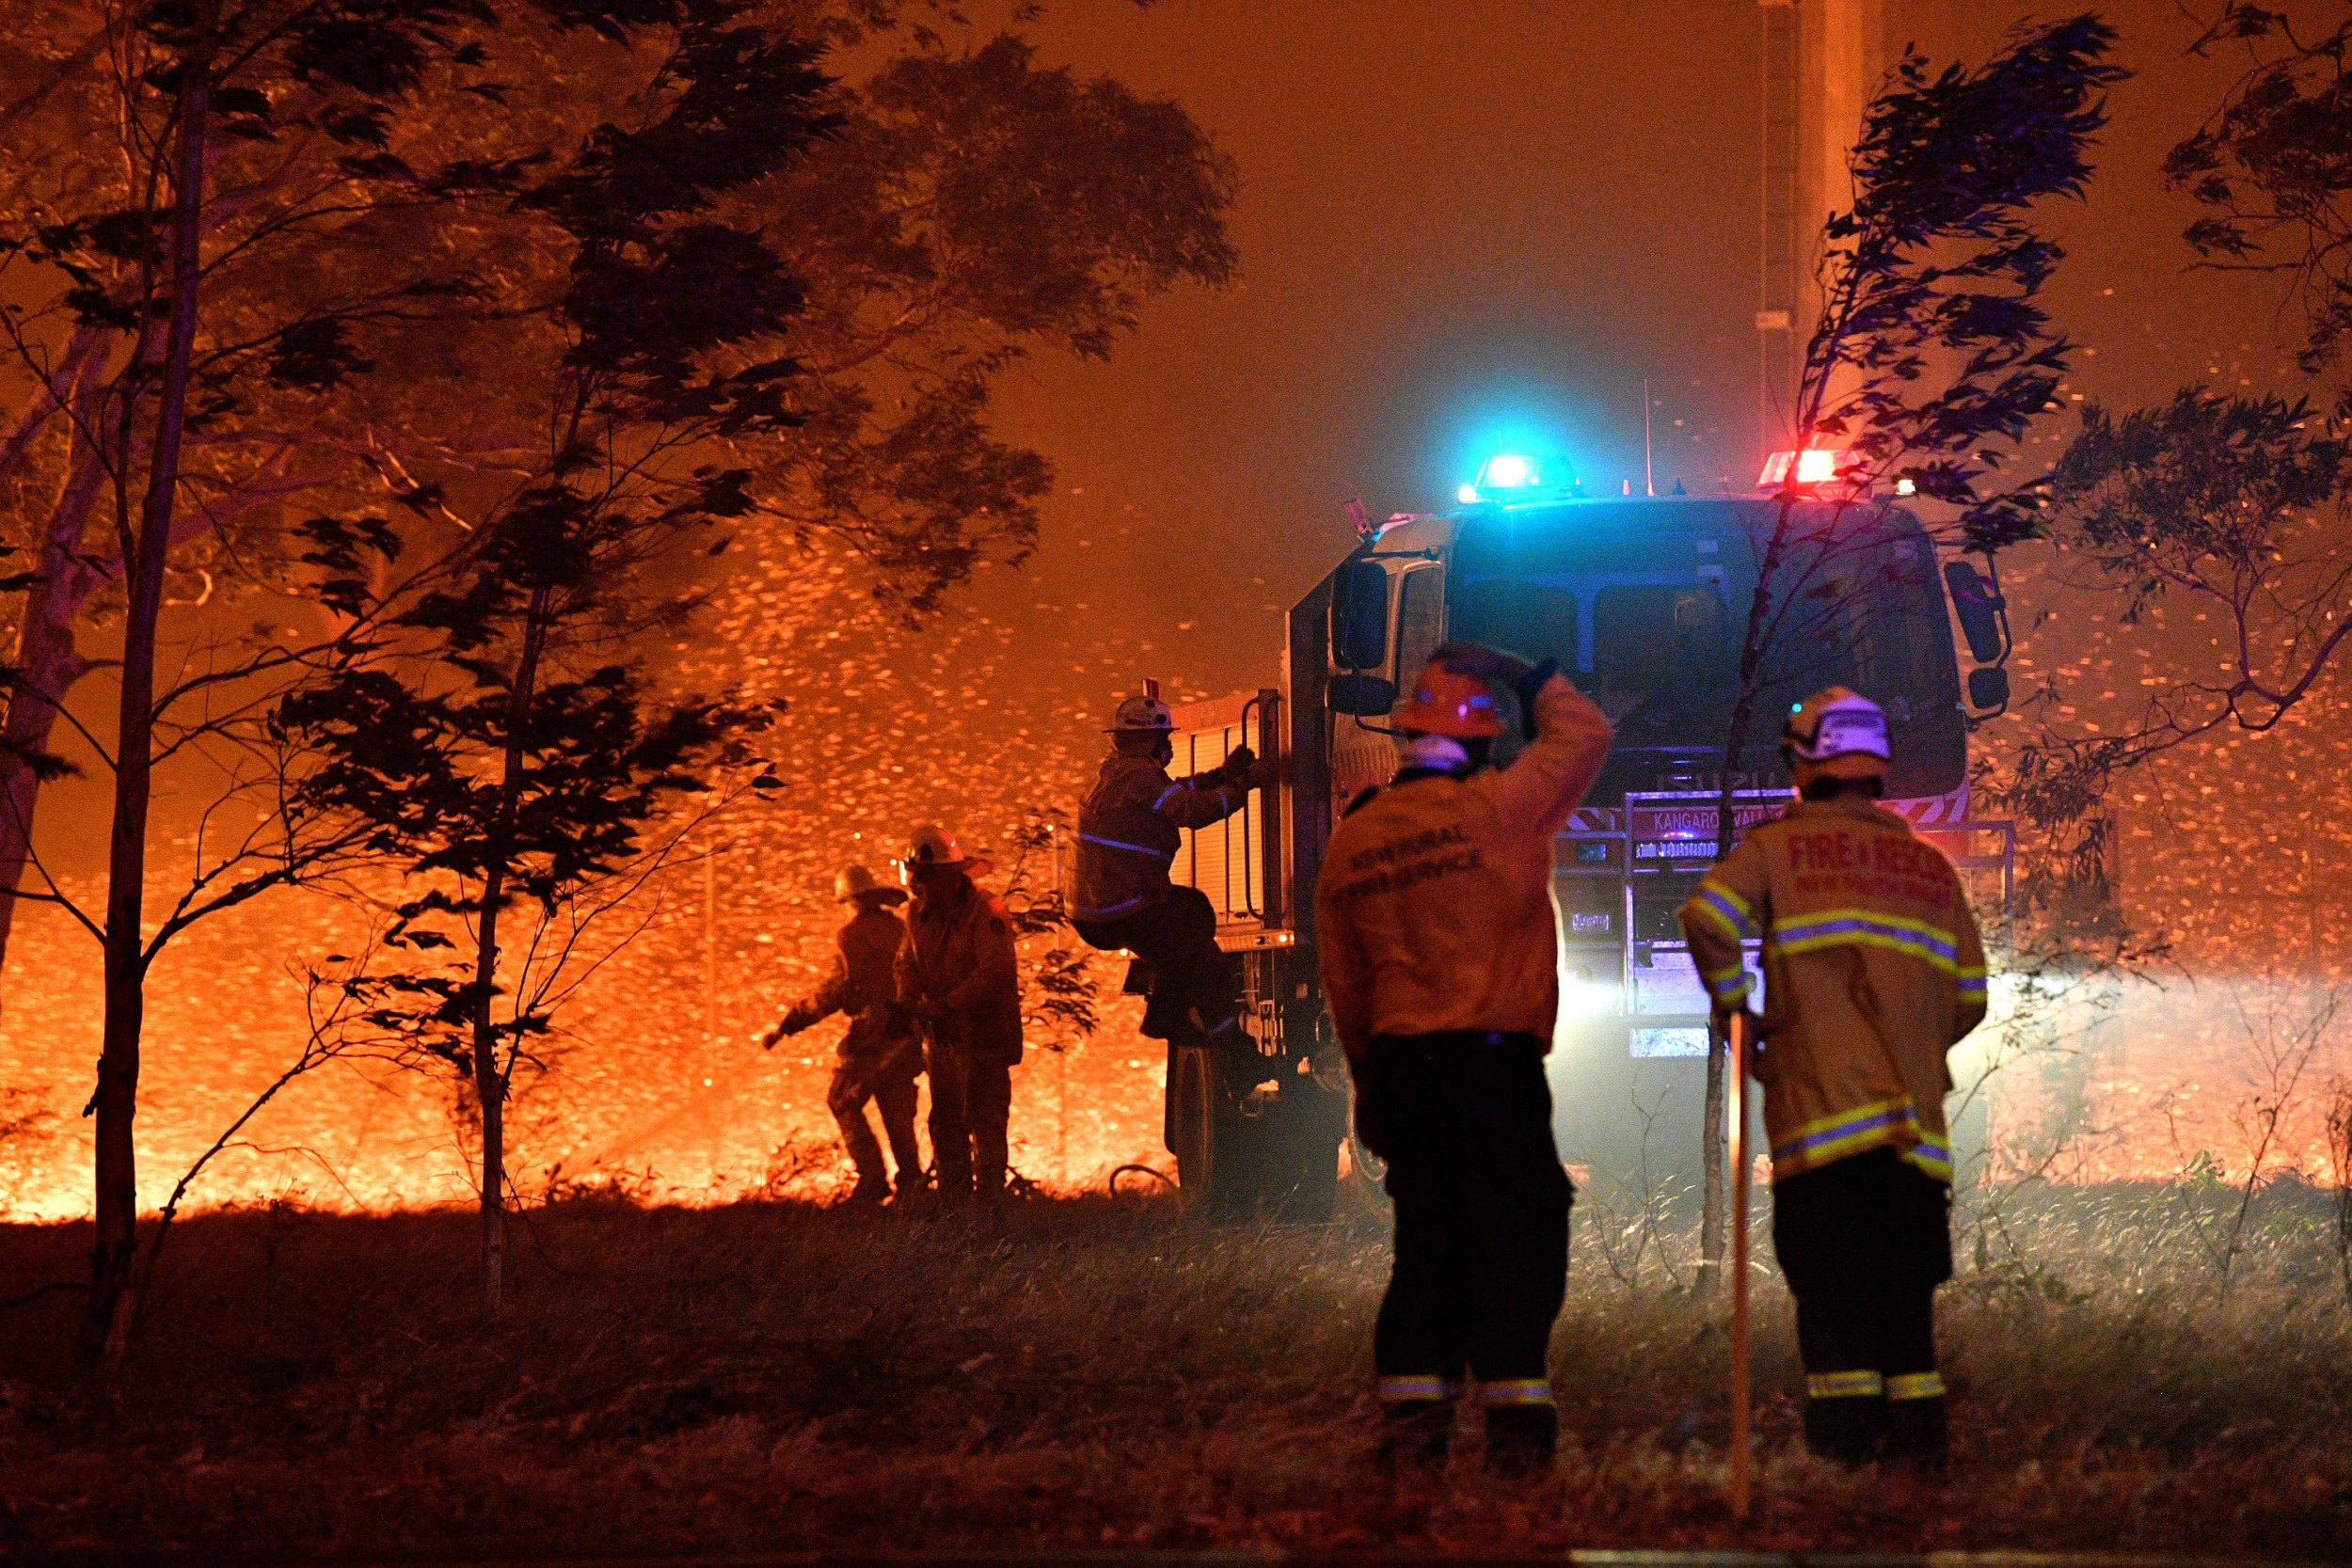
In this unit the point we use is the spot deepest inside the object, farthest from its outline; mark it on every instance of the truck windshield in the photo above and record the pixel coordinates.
(1644, 604)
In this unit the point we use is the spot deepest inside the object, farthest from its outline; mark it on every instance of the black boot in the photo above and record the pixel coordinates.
(1162, 1017)
(1844, 1428)
(1917, 1432)
(1521, 1438)
(1416, 1432)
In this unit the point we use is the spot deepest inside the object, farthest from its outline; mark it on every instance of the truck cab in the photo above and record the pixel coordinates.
(1644, 602)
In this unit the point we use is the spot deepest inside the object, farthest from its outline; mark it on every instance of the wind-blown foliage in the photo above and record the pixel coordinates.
(1932, 352)
(232, 130)
(2231, 507)
(970, 208)
(2273, 166)
(404, 257)
(497, 752)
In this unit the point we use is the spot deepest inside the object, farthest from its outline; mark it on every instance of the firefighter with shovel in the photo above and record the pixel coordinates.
(1873, 970)
(881, 1055)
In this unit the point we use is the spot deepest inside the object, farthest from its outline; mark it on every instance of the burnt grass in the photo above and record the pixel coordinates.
(1100, 1372)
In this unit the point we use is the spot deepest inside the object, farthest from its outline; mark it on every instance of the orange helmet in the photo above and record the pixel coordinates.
(1445, 702)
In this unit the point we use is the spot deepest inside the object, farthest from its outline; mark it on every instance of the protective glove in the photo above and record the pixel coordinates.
(1755, 1036)
(1239, 763)
(792, 1024)
(1525, 688)
(1482, 663)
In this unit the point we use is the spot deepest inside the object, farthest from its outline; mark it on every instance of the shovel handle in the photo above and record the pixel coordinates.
(1742, 1455)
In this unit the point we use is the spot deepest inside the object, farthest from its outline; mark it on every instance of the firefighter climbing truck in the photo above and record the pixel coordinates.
(1644, 602)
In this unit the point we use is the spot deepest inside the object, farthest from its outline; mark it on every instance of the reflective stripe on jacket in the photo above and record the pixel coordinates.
(1873, 970)
(959, 956)
(1434, 910)
(1127, 831)
(864, 985)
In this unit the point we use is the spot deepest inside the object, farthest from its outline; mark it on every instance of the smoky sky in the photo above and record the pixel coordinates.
(1461, 223)
(1465, 223)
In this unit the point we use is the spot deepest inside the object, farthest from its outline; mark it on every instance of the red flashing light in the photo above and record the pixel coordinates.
(1814, 466)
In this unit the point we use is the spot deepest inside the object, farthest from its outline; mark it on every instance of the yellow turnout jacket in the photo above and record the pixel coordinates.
(864, 985)
(1434, 910)
(1873, 970)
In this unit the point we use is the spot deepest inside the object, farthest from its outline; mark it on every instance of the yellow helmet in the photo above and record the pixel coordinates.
(934, 845)
(1446, 701)
(855, 882)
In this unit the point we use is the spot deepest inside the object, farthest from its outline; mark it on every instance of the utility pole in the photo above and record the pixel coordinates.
(1778, 242)
(1819, 64)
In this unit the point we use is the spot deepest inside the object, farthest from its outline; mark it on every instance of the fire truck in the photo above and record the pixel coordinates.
(1644, 602)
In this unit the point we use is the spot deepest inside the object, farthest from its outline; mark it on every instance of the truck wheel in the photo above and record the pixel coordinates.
(1191, 1114)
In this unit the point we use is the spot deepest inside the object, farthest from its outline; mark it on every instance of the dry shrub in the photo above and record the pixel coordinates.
(1101, 1372)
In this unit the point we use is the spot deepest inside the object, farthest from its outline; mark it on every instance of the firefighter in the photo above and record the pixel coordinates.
(1873, 970)
(1127, 838)
(959, 977)
(881, 1055)
(1434, 922)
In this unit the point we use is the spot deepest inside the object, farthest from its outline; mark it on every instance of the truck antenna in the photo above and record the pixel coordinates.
(1649, 474)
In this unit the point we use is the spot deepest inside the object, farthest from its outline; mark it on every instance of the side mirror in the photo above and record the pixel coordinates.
(1988, 688)
(1360, 617)
(1361, 696)
(1980, 611)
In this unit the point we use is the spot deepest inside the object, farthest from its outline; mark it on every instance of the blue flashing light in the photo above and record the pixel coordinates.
(1514, 476)
(1508, 473)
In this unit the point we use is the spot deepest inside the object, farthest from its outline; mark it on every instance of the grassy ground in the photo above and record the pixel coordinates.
(769, 1377)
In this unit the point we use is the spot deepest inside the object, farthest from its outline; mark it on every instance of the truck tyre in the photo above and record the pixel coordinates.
(1192, 1122)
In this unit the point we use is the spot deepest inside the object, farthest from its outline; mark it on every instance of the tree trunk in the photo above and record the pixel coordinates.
(491, 1092)
(48, 662)
(489, 1074)
(111, 1302)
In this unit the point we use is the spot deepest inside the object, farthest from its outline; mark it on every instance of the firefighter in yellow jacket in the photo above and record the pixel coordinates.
(1873, 970)
(1434, 927)
(881, 1055)
(960, 976)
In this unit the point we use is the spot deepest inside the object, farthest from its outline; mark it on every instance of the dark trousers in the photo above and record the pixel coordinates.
(891, 1087)
(971, 1103)
(1864, 1242)
(1177, 937)
(1482, 1216)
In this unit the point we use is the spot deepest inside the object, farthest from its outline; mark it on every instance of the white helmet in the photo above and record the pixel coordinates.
(1837, 722)
(1144, 715)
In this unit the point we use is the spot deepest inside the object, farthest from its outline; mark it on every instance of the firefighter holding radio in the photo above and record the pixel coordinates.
(1873, 970)
(1435, 932)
